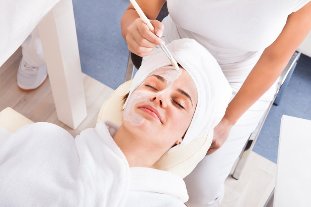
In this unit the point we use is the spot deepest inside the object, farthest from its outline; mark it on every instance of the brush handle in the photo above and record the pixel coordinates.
(149, 25)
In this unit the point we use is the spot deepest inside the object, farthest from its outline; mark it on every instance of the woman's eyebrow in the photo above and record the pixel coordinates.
(185, 94)
(159, 78)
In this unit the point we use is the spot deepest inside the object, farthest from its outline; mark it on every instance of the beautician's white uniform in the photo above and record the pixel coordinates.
(236, 32)
(42, 165)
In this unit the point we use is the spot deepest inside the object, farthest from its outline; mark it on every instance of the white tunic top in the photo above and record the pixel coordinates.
(42, 165)
(235, 31)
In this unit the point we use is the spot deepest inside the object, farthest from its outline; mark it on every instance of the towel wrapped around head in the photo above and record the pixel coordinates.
(214, 91)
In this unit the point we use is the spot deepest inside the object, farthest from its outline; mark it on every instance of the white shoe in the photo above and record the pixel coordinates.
(30, 77)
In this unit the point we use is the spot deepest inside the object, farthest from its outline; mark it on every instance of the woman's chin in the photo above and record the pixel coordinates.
(134, 121)
(143, 125)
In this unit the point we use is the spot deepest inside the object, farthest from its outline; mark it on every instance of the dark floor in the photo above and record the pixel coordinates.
(104, 57)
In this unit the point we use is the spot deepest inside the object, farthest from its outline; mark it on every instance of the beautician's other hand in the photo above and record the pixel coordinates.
(140, 39)
(221, 132)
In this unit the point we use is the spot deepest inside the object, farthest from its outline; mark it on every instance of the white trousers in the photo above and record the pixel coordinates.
(205, 184)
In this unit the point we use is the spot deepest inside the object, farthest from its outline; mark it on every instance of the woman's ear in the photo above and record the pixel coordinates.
(124, 98)
(178, 142)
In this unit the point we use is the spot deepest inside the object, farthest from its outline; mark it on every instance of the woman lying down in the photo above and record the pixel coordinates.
(41, 164)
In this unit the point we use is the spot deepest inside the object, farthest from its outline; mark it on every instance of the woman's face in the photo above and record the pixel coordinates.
(160, 110)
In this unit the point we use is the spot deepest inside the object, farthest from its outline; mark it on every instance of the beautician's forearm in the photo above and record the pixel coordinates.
(271, 63)
(263, 75)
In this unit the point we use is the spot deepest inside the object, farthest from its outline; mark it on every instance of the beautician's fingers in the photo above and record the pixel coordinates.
(150, 35)
(221, 133)
(158, 27)
(214, 146)
(143, 37)
(139, 38)
(137, 49)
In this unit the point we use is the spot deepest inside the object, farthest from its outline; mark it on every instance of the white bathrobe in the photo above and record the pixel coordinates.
(43, 165)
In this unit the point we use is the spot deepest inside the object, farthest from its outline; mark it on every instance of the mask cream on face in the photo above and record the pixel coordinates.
(169, 73)
(130, 115)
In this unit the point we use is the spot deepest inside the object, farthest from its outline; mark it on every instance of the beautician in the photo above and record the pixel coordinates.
(252, 41)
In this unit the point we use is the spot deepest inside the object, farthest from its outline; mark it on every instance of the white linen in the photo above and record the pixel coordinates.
(4, 133)
(38, 166)
(18, 18)
(214, 91)
(42, 165)
(293, 179)
(155, 188)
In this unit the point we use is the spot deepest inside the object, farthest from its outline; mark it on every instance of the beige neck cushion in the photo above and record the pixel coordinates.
(11, 120)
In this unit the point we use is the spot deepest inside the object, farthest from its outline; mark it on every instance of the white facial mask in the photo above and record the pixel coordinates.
(130, 115)
(169, 73)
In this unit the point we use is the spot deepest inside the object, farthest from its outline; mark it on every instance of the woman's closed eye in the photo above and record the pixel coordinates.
(151, 87)
(179, 104)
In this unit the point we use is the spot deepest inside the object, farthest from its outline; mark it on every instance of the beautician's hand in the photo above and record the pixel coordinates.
(221, 132)
(140, 39)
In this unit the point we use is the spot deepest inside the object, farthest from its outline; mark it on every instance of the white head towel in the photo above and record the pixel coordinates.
(214, 91)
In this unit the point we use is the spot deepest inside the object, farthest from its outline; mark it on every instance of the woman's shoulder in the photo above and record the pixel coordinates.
(44, 129)
(39, 135)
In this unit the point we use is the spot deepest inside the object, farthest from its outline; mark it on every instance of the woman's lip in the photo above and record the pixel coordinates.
(152, 111)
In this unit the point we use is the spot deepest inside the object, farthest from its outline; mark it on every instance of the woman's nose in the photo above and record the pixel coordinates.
(159, 99)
